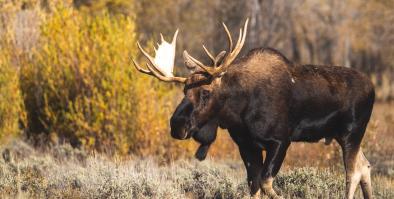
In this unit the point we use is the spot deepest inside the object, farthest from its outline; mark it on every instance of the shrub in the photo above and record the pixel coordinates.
(309, 182)
(33, 174)
(76, 85)
(79, 87)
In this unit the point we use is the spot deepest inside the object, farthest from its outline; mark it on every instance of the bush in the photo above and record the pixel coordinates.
(79, 87)
(69, 71)
(309, 182)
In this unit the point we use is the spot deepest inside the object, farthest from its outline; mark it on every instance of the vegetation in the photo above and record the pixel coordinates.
(66, 75)
(11, 104)
(349, 33)
(65, 78)
(77, 84)
(64, 172)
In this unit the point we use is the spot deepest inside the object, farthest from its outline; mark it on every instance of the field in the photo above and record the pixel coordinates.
(309, 171)
(78, 121)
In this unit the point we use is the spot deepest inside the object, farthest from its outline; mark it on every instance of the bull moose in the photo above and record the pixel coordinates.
(266, 102)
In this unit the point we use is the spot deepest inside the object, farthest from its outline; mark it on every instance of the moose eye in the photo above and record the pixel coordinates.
(205, 94)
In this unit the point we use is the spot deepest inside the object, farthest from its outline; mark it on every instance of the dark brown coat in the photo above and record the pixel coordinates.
(266, 102)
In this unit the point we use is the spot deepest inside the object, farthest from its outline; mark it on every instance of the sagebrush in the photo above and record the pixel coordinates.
(64, 172)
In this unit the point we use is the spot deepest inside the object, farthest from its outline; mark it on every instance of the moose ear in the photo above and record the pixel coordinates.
(219, 58)
(188, 62)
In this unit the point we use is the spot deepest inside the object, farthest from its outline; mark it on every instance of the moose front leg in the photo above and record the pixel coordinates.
(253, 160)
(276, 152)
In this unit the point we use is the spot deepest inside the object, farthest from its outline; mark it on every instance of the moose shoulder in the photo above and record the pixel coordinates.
(266, 102)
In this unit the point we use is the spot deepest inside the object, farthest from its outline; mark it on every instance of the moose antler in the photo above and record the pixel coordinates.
(228, 59)
(162, 65)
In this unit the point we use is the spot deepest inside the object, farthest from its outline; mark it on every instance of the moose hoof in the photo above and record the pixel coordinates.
(266, 186)
(272, 194)
(256, 195)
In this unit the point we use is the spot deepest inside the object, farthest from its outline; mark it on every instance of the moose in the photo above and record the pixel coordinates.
(266, 102)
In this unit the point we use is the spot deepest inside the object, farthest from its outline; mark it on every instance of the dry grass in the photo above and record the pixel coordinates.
(310, 170)
(63, 172)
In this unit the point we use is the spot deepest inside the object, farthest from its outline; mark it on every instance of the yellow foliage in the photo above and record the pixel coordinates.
(79, 87)
(11, 104)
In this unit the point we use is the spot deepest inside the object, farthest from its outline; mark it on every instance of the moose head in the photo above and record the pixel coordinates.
(196, 115)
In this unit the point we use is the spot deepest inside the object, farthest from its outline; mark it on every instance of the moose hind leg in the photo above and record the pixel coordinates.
(353, 175)
(365, 182)
(357, 166)
(358, 171)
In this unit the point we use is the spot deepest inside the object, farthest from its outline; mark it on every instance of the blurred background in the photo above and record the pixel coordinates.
(66, 78)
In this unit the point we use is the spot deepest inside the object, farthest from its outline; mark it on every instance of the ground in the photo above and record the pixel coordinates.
(310, 171)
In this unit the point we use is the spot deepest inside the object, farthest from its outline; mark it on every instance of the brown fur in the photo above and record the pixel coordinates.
(266, 102)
